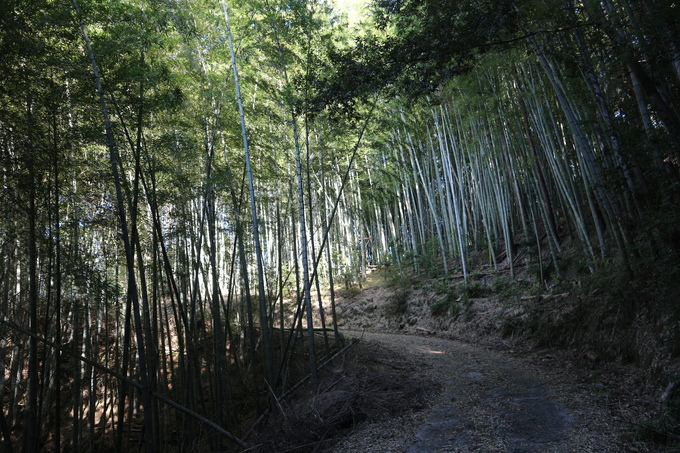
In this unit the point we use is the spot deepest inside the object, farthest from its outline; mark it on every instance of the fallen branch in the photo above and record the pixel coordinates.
(295, 387)
(428, 332)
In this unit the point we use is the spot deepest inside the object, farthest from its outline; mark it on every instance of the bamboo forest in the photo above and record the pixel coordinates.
(190, 186)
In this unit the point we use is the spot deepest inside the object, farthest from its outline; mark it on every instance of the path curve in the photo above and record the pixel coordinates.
(490, 401)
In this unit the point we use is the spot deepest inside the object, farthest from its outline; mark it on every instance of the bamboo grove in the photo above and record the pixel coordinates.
(166, 225)
(568, 136)
(174, 225)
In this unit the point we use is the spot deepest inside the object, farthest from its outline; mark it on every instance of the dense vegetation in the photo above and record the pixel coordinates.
(184, 180)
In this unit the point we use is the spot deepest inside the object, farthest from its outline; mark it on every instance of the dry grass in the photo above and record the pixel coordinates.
(366, 384)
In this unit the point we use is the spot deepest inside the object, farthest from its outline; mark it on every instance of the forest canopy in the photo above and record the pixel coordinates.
(416, 47)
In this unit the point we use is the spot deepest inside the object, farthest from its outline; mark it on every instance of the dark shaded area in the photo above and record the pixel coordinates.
(368, 383)
(530, 417)
(536, 418)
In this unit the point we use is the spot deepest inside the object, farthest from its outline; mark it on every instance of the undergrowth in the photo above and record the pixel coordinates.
(348, 293)
(398, 303)
(457, 300)
(366, 384)
(664, 429)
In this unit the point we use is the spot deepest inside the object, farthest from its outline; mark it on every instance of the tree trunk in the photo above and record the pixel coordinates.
(129, 254)
(269, 364)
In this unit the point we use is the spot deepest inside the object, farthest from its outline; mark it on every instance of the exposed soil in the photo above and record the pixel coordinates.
(423, 383)
(494, 393)
(499, 401)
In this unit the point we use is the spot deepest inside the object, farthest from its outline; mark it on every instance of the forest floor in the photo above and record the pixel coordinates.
(488, 392)
(491, 400)
(438, 367)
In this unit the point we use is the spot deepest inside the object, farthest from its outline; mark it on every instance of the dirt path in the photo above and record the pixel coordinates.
(492, 401)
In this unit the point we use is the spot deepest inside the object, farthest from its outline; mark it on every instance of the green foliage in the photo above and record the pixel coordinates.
(397, 304)
(449, 304)
(441, 286)
(395, 277)
(348, 293)
(429, 260)
(608, 313)
(474, 289)
(457, 300)
(422, 45)
(509, 288)
(441, 306)
(503, 286)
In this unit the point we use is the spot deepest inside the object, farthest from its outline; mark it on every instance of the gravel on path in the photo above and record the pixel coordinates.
(491, 401)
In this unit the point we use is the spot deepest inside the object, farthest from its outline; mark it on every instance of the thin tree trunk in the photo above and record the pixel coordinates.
(57, 305)
(324, 220)
(591, 170)
(305, 260)
(32, 427)
(132, 285)
(269, 365)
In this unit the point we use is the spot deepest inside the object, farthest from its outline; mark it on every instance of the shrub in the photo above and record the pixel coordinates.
(441, 307)
(474, 289)
(398, 303)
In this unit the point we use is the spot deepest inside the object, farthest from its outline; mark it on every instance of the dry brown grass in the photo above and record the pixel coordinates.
(365, 384)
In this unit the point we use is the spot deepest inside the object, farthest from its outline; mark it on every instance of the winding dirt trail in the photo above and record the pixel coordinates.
(492, 401)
